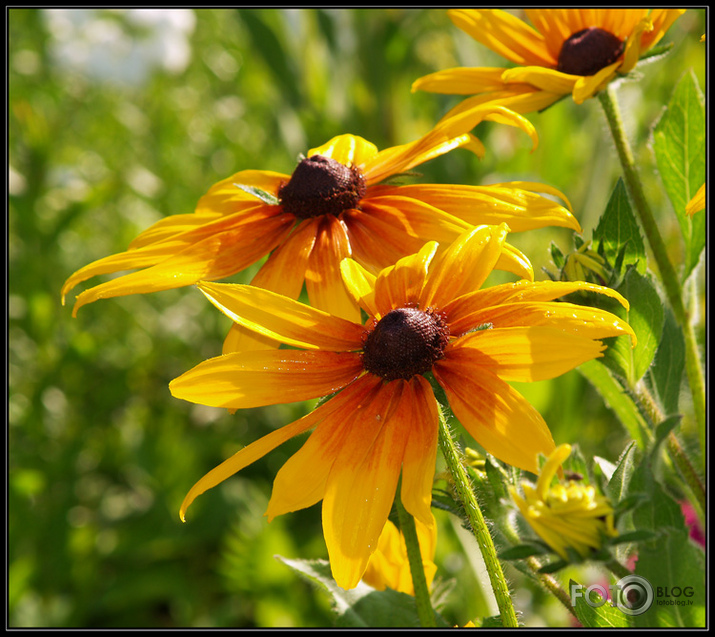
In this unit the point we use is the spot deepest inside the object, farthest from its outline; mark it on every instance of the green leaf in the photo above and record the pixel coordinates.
(666, 373)
(679, 146)
(362, 606)
(521, 551)
(265, 196)
(617, 237)
(618, 485)
(616, 398)
(598, 614)
(645, 316)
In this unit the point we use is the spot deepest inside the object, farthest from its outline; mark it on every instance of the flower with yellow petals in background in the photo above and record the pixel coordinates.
(575, 52)
(425, 314)
(565, 516)
(697, 203)
(333, 206)
(389, 567)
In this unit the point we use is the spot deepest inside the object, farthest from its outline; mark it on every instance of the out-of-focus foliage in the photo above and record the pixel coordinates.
(119, 118)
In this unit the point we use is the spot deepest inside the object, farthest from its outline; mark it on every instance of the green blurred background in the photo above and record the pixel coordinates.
(119, 118)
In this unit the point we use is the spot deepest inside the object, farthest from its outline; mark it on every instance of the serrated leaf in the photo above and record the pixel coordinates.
(617, 237)
(646, 317)
(598, 614)
(679, 146)
(666, 373)
(618, 485)
(362, 606)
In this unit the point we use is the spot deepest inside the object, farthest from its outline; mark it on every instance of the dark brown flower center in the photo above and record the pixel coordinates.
(322, 186)
(405, 342)
(588, 51)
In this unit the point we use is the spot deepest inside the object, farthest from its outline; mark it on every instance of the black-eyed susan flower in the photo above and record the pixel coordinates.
(566, 52)
(697, 203)
(333, 206)
(565, 516)
(389, 566)
(425, 314)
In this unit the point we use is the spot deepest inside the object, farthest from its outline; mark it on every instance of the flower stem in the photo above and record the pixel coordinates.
(476, 520)
(668, 275)
(419, 582)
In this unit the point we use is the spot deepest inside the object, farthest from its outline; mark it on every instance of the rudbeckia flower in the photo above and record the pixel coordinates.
(333, 206)
(566, 516)
(567, 52)
(389, 566)
(425, 314)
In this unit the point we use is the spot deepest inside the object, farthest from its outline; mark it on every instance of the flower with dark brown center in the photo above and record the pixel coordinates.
(405, 342)
(588, 51)
(321, 186)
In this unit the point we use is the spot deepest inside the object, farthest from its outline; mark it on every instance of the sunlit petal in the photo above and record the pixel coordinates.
(347, 149)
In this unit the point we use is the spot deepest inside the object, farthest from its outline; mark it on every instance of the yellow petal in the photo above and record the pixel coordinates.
(253, 379)
(418, 465)
(350, 150)
(402, 283)
(585, 321)
(301, 481)
(587, 87)
(548, 80)
(323, 281)
(461, 81)
(225, 195)
(261, 447)
(464, 265)
(361, 486)
(524, 354)
(360, 284)
(283, 319)
(697, 203)
(495, 414)
(505, 34)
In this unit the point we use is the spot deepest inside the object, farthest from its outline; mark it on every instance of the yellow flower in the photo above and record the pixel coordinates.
(697, 203)
(389, 567)
(425, 313)
(567, 52)
(333, 206)
(565, 516)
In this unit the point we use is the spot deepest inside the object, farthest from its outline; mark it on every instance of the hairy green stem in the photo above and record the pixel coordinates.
(466, 495)
(668, 275)
(414, 557)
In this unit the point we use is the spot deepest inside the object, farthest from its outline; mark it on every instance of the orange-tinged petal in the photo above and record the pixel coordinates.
(215, 257)
(301, 481)
(360, 284)
(254, 379)
(697, 203)
(283, 319)
(524, 354)
(464, 265)
(377, 238)
(521, 291)
(662, 20)
(515, 261)
(259, 448)
(590, 322)
(325, 286)
(224, 195)
(633, 45)
(284, 273)
(495, 414)
(361, 485)
(519, 98)
(415, 218)
(175, 225)
(402, 283)
(517, 204)
(347, 149)
(418, 465)
(504, 34)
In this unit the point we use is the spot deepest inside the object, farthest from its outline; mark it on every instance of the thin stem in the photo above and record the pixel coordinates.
(466, 495)
(551, 584)
(668, 275)
(618, 569)
(419, 582)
